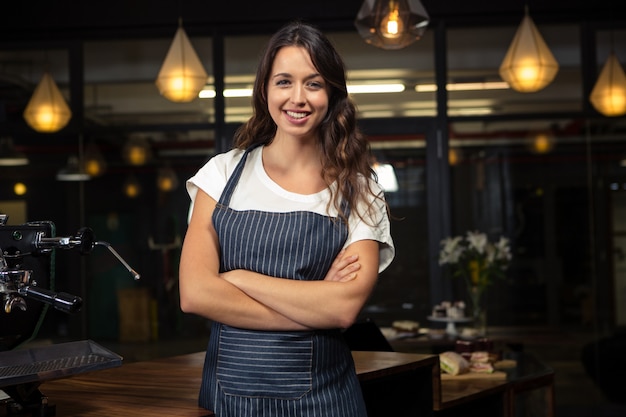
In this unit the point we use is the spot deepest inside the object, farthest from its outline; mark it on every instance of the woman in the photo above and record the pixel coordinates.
(287, 235)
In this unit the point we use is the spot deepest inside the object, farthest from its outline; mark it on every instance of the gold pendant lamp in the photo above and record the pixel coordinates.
(182, 75)
(47, 111)
(609, 93)
(528, 65)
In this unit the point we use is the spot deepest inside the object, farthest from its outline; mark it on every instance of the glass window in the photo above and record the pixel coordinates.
(538, 183)
(366, 65)
(476, 88)
(120, 84)
(242, 54)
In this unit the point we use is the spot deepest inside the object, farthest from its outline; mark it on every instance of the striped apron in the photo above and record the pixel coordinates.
(278, 373)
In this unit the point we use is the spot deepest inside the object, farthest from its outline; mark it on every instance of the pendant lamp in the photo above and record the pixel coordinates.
(137, 151)
(391, 24)
(47, 111)
(132, 187)
(182, 75)
(94, 163)
(609, 94)
(528, 65)
(167, 180)
(73, 171)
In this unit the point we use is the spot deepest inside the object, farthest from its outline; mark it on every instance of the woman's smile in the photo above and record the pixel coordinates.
(297, 95)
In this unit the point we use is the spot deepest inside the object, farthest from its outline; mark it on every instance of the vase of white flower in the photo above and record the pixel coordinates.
(479, 312)
(480, 263)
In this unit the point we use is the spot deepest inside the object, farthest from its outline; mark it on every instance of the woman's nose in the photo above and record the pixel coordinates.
(298, 95)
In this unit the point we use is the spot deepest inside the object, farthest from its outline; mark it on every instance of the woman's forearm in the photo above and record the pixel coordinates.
(317, 304)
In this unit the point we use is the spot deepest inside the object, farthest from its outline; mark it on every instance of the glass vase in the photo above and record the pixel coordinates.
(479, 311)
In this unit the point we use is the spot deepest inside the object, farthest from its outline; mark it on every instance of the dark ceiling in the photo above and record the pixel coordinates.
(39, 25)
(65, 20)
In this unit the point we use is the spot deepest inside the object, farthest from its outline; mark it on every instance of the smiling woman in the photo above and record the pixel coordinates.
(288, 233)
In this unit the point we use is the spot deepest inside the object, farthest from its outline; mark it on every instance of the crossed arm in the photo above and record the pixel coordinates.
(254, 301)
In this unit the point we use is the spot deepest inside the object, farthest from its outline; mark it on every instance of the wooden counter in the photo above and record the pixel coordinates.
(401, 382)
(393, 383)
(161, 387)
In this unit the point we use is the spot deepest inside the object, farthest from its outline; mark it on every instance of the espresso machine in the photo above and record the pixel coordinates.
(27, 291)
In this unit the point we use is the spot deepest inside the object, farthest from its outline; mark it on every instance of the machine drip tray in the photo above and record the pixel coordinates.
(54, 362)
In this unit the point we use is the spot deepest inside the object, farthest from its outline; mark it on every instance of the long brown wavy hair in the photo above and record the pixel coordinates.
(345, 152)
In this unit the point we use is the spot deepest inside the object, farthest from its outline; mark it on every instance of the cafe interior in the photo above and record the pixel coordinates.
(464, 142)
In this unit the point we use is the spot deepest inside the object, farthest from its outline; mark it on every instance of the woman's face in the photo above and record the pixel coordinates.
(297, 95)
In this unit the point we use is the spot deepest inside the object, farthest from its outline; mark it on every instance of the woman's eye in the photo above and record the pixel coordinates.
(316, 84)
(282, 82)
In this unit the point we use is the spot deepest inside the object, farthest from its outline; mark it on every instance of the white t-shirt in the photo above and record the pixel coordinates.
(257, 191)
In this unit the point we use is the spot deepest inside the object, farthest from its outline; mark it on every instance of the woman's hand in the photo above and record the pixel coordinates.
(344, 268)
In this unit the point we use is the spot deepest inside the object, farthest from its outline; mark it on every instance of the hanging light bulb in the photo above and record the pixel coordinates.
(137, 151)
(73, 171)
(541, 141)
(167, 180)
(609, 93)
(391, 24)
(19, 188)
(528, 65)
(94, 163)
(454, 156)
(47, 111)
(132, 187)
(182, 75)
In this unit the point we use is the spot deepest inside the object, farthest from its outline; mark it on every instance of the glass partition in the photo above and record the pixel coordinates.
(120, 84)
(396, 73)
(476, 88)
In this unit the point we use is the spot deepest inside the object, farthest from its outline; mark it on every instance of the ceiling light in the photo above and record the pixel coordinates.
(454, 156)
(209, 92)
(94, 162)
(182, 75)
(375, 88)
(542, 141)
(72, 171)
(528, 65)
(132, 187)
(137, 151)
(473, 86)
(470, 111)
(9, 156)
(238, 92)
(391, 24)
(47, 111)
(477, 86)
(19, 188)
(167, 180)
(609, 93)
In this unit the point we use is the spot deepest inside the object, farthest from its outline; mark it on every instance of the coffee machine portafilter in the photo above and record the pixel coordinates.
(26, 273)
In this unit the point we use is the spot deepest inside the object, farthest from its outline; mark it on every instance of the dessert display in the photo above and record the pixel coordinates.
(451, 309)
(401, 329)
(449, 312)
(405, 326)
